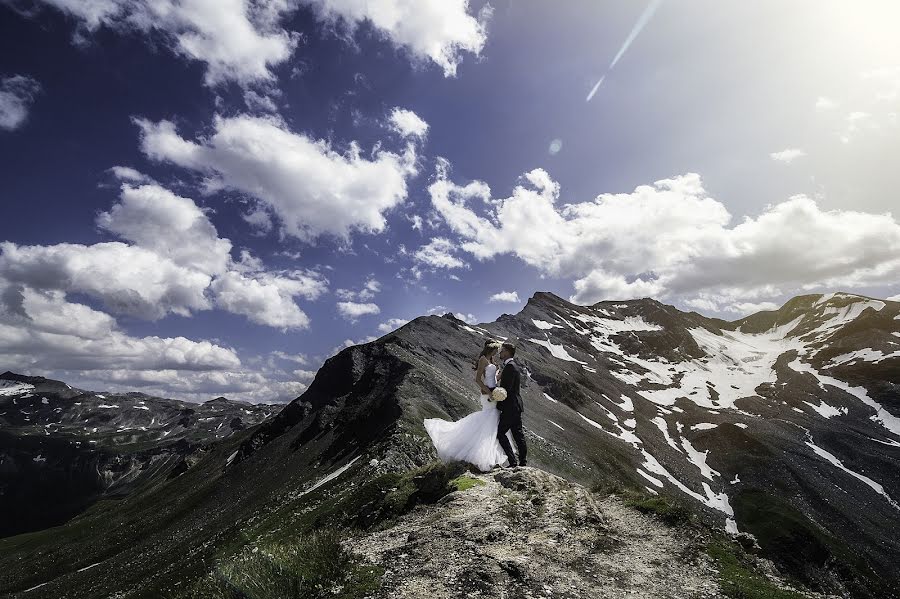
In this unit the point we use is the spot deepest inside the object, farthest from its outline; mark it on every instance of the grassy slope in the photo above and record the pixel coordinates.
(162, 534)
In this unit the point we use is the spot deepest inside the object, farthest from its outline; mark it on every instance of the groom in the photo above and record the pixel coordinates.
(511, 409)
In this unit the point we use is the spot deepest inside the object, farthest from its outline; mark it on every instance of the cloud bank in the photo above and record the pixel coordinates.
(242, 41)
(170, 260)
(237, 40)
(671, 241)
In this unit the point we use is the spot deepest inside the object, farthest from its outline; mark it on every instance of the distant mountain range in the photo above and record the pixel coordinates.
(62, 449)
(782, 425)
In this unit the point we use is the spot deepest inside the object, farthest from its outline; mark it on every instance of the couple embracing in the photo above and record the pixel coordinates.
(483, 438)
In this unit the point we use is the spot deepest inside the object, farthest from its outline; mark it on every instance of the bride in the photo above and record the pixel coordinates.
(473, 438)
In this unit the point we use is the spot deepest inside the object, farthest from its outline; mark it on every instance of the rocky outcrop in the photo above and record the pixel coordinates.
(528, 533)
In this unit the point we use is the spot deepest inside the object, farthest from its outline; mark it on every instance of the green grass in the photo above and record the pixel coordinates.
(281, 566)
(374, 504)
(465, 482)
(738, 580)
(513, 507)
(737, 577)
(312, 567)
(569, 511)
(801, 548)
(667, 509)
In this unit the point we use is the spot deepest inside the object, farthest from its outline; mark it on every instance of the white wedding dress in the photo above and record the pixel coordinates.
(473, 438)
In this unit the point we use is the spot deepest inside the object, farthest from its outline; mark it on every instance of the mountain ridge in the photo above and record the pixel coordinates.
(660, 334)
(754, 430)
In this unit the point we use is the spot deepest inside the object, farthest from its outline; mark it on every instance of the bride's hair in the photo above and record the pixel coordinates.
(490, 346)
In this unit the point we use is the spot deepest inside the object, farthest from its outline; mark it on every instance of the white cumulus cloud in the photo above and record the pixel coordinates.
(438, 253)
(353, 310)
(126, 278)
(407, 123)
(788, 155)
(392, 324)
(169, 225)
(310, 187)
(505, 296)
(16, 95)
(171, 261)
(440, 31)
(365, 293)
(266, 298)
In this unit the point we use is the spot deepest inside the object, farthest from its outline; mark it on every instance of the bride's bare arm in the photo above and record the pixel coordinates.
(479, 374)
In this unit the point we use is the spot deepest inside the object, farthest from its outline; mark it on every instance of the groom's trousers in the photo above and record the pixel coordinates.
(512, 421)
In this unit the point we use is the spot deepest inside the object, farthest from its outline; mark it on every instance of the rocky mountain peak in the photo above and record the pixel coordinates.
(220, 401)
(545, 298)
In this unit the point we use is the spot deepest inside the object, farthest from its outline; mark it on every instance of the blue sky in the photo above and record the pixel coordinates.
(208, 198)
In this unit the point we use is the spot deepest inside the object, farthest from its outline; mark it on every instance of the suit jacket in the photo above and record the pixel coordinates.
(510, 380)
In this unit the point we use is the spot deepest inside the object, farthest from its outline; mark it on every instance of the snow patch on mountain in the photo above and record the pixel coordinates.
(867, 355)
(716, 501)
(663, 427)
(625, 404)
(651, 465)
(325, 479)
(557, 351)
(826, 297)
(830, 458)
(736, 364)
(470, 330)
(610, 326)
(9, 388)
(841, 316)
(703, 426)
(885, 418)
(652, 479)
(827, 411)
(698, 458)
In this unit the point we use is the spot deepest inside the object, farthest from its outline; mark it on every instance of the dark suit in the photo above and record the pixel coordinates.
(511, 414)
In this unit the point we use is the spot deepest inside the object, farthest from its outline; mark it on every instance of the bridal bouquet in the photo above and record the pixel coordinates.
(498, 394)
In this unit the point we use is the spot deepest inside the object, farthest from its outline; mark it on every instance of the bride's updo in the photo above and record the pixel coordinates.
(490, 346)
